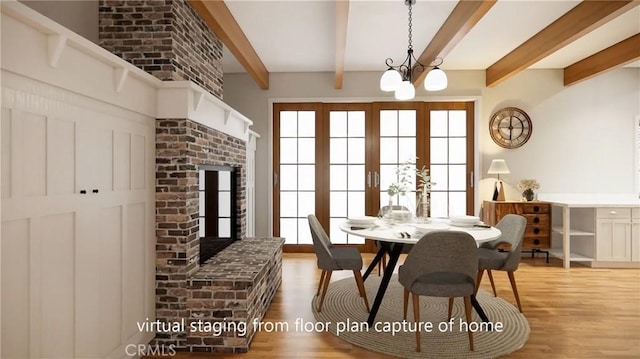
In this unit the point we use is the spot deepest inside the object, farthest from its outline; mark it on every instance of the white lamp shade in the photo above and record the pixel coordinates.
(436, 80)
(405, 91)
(498, 167)
(390, 80)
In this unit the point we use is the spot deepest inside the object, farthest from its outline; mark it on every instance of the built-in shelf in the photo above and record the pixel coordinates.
(574, 257)
(573, 231)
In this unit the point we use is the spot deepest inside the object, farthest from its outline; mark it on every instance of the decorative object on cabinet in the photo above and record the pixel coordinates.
(537, 234)
(527, 186)
(498, 166)
(510, 127)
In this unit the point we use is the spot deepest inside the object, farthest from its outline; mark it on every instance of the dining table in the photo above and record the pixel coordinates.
(393, 237)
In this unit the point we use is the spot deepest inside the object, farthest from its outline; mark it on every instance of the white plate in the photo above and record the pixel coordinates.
(462, 225)
(465, 219)
(362, 221)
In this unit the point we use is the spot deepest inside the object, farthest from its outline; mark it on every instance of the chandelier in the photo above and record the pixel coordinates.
(399, 78)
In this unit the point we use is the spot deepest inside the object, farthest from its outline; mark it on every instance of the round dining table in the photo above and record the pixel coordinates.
(394, 236)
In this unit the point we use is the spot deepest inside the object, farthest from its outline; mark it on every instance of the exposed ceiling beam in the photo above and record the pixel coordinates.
(612, 57)
(220, 20)
(342, 19)
(462, 19)
(583, 18)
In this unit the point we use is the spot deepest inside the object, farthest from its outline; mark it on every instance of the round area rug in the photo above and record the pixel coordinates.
(345, 316)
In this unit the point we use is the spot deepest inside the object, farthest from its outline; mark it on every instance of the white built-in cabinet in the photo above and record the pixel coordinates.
(613, 230)
(77, 224)
(599, 235)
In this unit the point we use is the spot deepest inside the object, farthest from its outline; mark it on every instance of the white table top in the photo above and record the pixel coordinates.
(391, 232)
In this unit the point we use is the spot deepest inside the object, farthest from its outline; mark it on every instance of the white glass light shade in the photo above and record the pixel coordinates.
(405, 91)
(390, 80)
(436, 80)
(498, 167)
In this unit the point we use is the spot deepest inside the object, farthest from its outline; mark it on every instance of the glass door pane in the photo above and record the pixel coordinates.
(448, 142)
(347, 180)
(398, 148)
(295, 174)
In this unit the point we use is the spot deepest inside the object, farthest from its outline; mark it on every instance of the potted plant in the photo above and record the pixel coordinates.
(527, 186)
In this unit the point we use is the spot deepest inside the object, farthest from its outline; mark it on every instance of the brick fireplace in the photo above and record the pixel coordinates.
(167, 39)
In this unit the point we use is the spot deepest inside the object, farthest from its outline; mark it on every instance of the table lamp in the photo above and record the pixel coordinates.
(498, 167)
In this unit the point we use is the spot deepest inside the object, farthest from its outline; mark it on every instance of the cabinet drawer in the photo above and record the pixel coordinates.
(536, 230)
(540, 220)
(614, 213)
(540, 242)
(529, 208)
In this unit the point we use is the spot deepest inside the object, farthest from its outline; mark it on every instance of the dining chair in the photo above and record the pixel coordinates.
(332, 258)
(490, 257)
(441, 264)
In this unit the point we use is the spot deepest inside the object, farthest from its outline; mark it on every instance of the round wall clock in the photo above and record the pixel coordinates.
(510, 127)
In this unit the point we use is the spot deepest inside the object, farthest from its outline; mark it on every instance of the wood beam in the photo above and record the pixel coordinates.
(610, 58)
(220, 20)
(583, 18)
(342, 19)
(462, 19)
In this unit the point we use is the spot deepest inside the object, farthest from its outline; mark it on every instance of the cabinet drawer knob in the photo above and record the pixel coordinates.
(613, 212)
(536, 230)
(536, 241)
(82, 191)
(536, 208)
(536, 220)
(95, 191)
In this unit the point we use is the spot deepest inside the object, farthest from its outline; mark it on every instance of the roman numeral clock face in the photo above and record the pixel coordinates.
(510, 127)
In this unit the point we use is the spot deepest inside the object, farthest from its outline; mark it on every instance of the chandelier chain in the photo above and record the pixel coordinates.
(410, 26)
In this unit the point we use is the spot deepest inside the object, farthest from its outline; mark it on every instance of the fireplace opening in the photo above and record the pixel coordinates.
(218, 209)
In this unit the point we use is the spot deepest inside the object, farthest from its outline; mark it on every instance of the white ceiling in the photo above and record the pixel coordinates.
(299, 36)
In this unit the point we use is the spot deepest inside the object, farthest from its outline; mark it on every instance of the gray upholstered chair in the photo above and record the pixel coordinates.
(332, 258)
(441, 264)
(490, 258)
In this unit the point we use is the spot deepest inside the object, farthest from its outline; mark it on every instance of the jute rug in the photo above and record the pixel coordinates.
(344, 311)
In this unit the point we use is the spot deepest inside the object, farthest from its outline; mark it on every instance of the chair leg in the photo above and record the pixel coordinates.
(382, 265)
(493, 286)
(478, 280)
(467, 312)
(406, 303)
(450, 308)
(416, 317)
(325, 286)
(321, 281)
(512, 279)
(360, 283)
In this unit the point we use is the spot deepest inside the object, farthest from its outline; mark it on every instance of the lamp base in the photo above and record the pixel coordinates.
(500, 191)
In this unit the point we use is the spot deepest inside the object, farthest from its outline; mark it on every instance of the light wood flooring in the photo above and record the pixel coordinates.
(573, 313)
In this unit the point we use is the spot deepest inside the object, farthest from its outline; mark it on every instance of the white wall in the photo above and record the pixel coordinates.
(582, 137)
(80, 17)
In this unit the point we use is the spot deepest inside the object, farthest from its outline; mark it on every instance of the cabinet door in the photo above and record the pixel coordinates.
(613, 240)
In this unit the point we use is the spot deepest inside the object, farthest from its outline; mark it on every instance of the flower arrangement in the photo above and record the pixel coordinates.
(404, 181)
(528, 184)
(425, 180)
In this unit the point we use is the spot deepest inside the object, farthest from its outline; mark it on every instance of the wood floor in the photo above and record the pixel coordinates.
(576, 313)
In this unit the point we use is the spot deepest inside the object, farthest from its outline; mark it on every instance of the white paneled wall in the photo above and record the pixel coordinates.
(78, 223)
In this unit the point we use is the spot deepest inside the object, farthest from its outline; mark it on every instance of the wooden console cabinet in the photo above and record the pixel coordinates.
(537, 235)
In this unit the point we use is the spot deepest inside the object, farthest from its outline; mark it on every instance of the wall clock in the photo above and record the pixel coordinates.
(510, 127)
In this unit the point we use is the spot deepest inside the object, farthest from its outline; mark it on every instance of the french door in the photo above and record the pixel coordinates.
(337, 161)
